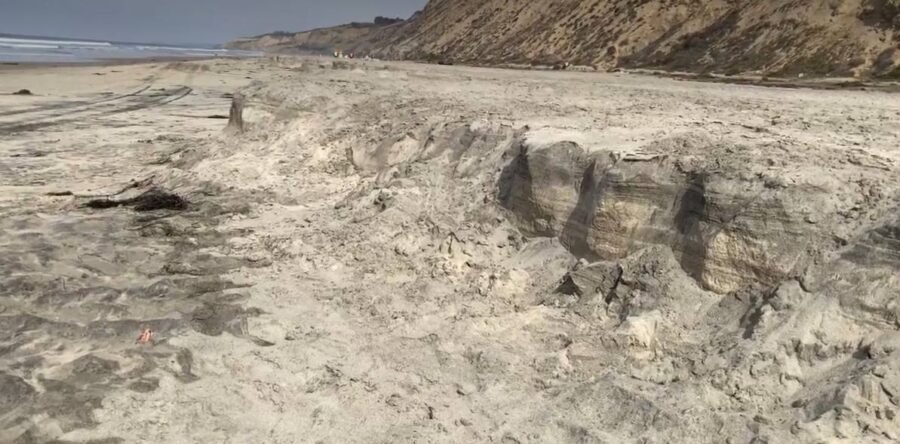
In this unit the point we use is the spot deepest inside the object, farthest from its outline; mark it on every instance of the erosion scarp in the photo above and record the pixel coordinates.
(813, 266)
(729, 226)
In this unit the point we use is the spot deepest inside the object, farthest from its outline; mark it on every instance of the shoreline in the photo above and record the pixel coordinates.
(113, 62)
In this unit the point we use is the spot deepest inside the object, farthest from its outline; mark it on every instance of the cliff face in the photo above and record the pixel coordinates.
(787, 37)
(781, 36)
(323, 40)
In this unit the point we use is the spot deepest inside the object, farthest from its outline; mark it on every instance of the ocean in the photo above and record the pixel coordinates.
(26, 49)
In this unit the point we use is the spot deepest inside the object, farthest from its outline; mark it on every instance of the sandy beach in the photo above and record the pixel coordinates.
(395, 252)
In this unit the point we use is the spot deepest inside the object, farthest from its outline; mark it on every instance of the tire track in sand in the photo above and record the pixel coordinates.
(134, 102)
(68, 106)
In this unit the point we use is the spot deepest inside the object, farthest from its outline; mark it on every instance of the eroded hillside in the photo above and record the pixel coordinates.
(321, 40)
(780, 37)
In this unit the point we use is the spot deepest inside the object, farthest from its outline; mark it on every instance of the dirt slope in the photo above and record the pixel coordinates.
(780, 37)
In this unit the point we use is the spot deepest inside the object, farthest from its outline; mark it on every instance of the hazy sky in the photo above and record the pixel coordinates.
(186, 21)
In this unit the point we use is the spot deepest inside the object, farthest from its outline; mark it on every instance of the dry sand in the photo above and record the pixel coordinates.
(409, 253)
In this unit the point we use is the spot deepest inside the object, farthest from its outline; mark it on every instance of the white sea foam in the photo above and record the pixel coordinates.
(19, 54)
(27, 45)
(179, 49)
(55, 43)
(24, 49)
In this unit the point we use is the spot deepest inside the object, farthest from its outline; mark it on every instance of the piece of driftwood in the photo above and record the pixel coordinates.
(151, 200)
